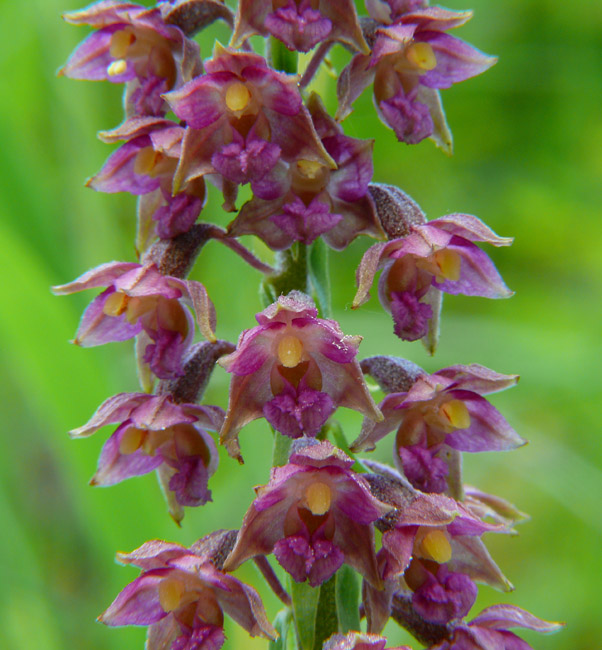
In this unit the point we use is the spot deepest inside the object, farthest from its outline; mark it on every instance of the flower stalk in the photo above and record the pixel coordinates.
(399, 541)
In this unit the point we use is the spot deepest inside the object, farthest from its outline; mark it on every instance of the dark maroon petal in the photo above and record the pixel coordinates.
(190, 482)
(243, 162)
(327, 560)
(314, 409)
(295, 555)
(164, 355)
(204, 637)
(398, 546)
(145, 95)
(444, 597)
(201, 637)
(410, 119)
(280, 412)
(296, 412)
(349, 182)
(178, 215)
(423, 469)
(305, 223)
(410, 316)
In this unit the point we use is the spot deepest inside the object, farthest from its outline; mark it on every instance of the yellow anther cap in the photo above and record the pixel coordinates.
(290, 351)
(436, 545)
(131, 441)
(309, 168)
(117, 67)
(456, 412)
(448, 262)
(318, 498)
(171, 591)
(237, 96)
(115, 304)
(421, 55)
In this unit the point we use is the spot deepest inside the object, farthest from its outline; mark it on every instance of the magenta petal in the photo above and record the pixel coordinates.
(410, 119)
(178, 214)
(456, 60)
(410, 316)
(444, 597)
(243, 162)
(305, 223)
(501, 617)
(477, 378)
(327, 560)
(91, 58)
(349, 182)
(199, 102)
(97, 328)
(478, 275)
(468, 227)
(299, 27)
(278, 91)
(114, 467)
(294, 555)
(488, 430)
(424, 469)
(138, 603)
(114, 409)
(164, 355)
(190, 482)
(101, 276)
(118, 173)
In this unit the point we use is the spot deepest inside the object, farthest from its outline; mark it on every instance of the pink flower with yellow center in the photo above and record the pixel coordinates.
(294, 369)
(314, 515)
(132, 44)
(139, 301)
(437, 256)
(182, 598)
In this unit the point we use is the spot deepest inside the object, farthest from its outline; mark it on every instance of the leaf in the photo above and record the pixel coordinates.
(305, 609)
(319, 276)
(327, 622)
(347, 599)
(282, 623)
(282, 446)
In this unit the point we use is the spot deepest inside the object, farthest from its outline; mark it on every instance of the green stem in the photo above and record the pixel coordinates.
(280, 57)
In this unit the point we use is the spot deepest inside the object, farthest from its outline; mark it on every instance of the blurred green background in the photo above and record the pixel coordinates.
(528, 161)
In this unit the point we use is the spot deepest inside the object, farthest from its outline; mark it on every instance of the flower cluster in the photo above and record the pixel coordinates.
(243, 117)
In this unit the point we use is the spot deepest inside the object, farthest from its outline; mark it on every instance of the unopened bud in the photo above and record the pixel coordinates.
(191, 16)
(396, 211)
(392, 374)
